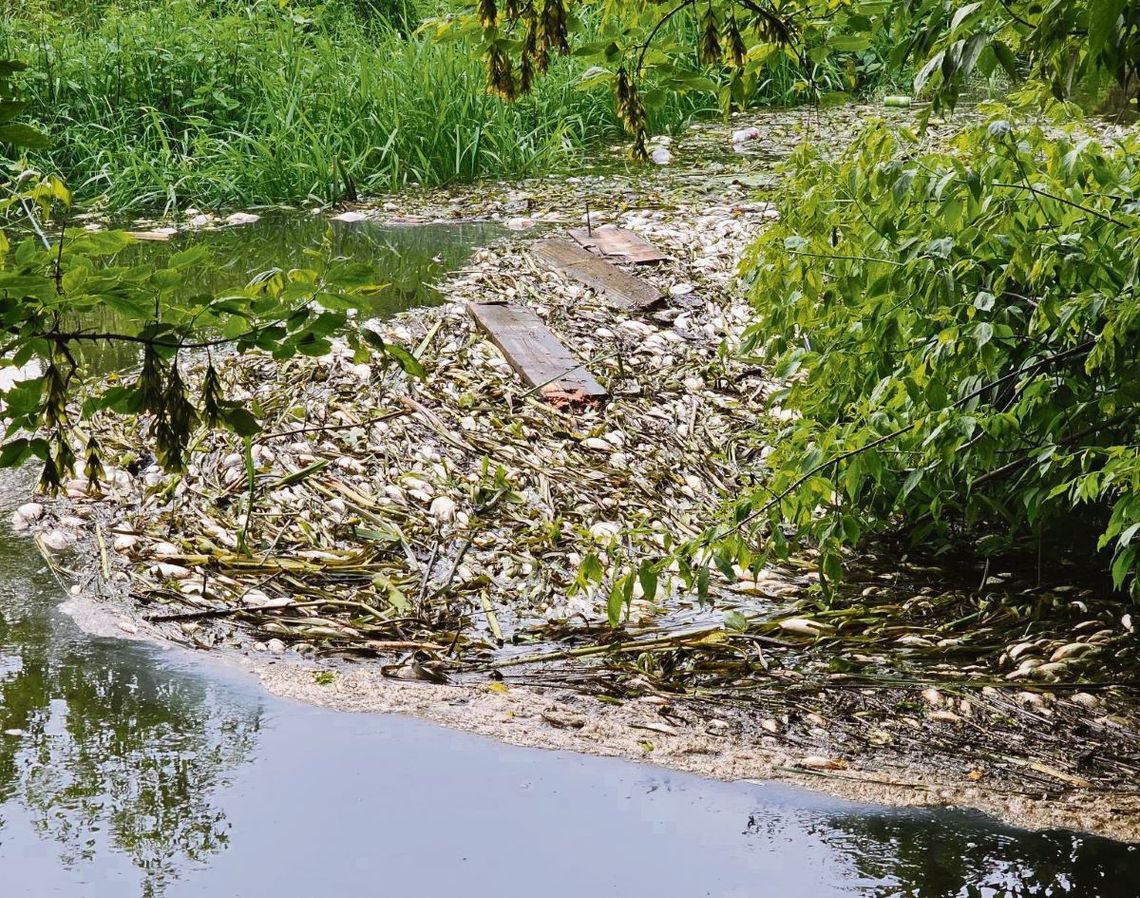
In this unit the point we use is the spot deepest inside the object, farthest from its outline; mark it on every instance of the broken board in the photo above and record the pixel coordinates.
(612, 241)
(621, 289)
(535, 353)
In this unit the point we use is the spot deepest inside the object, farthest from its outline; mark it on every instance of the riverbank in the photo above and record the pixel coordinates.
(439, 529)
(111, 714)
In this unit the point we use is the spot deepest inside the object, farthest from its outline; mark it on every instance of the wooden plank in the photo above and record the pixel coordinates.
(622, 289)
(609, 240)
(535, 353)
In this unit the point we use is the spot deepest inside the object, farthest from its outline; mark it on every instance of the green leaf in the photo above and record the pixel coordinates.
(25, 136)
(121, 400)
(15, 452)
(1123, 566)
(9, 109)
(591, 570)
(615, 603)
(913, 479)
(850, 43)
(241, 422)
(734, 620)
(405, 359)
(647, 577)
(1102, 20)
(962, 13)
(1005, 57)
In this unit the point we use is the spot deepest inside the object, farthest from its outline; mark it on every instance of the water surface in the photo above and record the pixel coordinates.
(409, 264)
(409, 260)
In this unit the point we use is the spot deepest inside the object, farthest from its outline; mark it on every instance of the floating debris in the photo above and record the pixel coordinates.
(158, 234)
(623, 290)
(536, 354)
(613, 241)
(26, 515)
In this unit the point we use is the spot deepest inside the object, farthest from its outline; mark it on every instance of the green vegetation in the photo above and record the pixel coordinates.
(744, 51)
(957, 325)
(55, 293)
(958, 328)
(243, 103)
(958, 331)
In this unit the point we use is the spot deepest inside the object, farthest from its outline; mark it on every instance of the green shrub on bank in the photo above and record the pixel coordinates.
(958, 331)
(233, 104)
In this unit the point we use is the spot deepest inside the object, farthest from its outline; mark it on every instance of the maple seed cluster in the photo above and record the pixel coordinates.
(546, 32)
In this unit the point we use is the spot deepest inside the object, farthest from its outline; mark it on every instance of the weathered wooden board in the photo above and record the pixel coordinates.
(613, 241)
(535, 353)
(620, 288)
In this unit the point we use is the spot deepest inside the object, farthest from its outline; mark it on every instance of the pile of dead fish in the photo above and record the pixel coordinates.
(440, 516)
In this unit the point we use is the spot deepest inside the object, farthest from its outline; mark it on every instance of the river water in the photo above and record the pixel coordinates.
(129, 770)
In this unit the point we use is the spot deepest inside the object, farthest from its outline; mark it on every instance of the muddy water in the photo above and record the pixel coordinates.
(131, 770)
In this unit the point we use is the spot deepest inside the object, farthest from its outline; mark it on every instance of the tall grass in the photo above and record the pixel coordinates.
(177, 102)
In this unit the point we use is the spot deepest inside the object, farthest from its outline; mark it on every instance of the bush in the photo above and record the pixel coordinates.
(957, 329)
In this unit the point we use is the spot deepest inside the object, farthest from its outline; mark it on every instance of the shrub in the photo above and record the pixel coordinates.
(957, 331)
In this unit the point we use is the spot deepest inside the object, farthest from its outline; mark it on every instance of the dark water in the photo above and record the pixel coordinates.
(143, 771)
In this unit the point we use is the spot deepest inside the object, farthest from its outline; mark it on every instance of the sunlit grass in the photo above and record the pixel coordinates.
(174, 104)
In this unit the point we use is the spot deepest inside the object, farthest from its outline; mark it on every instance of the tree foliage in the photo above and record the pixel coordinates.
(957, 329)
(1064, 46)
(666, 45)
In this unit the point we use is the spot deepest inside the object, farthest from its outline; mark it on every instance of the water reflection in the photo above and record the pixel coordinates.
(907, 853)
(101, 753)
(409, 259)
(409, 262)
(950, 854)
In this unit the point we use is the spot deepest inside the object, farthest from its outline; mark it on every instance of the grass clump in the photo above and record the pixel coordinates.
(171, 103)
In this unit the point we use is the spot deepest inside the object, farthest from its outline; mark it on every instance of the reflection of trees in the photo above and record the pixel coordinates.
(119, 753)
(407, 258)
(407, 261)
(961, 855)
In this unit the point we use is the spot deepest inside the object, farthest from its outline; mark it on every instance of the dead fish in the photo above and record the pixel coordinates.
(819, 762)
